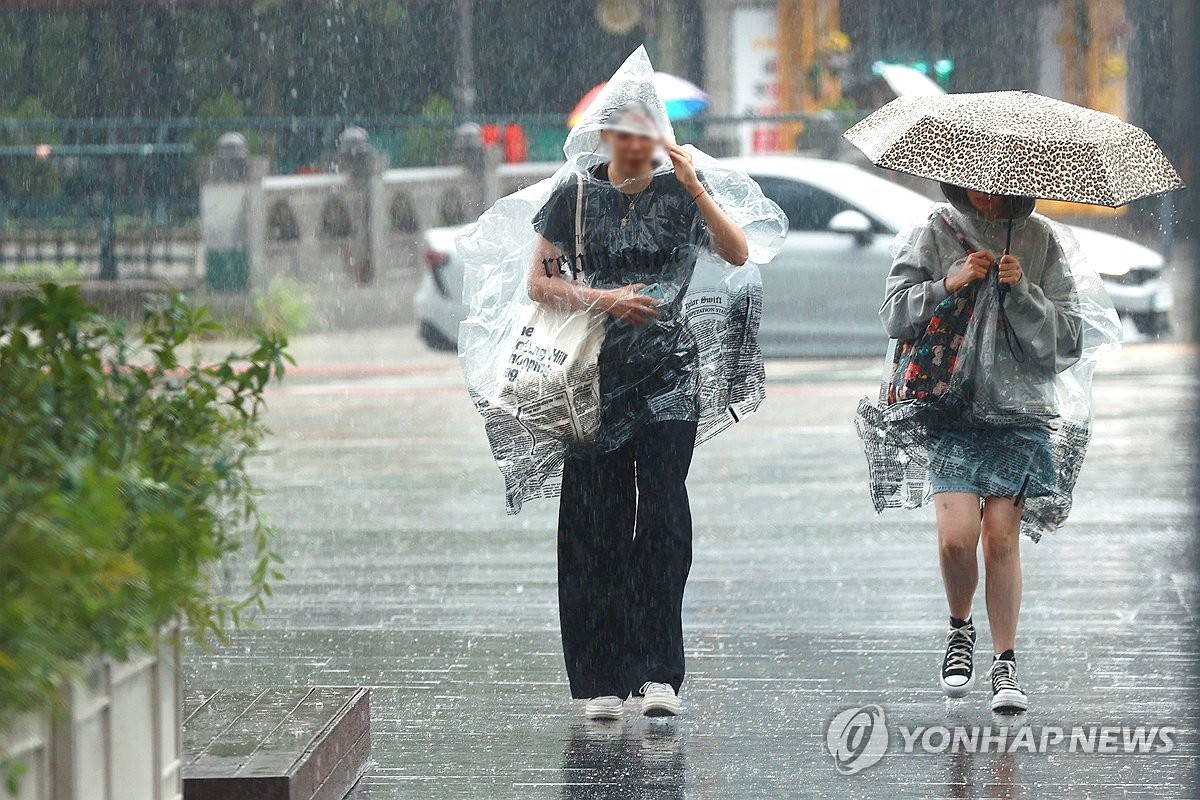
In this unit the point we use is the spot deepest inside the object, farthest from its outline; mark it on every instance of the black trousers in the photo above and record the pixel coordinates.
(624, 551)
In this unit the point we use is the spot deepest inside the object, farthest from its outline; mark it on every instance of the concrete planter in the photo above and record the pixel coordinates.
(119, 738)
(27, 742)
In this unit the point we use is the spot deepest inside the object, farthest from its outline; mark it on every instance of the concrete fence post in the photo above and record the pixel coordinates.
(482, 163)
(364, 169)
(232, 218)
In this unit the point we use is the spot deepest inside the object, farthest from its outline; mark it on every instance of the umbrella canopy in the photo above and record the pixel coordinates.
(681, 97)
(1017, 143)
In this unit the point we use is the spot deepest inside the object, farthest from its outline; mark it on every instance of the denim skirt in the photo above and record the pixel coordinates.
(993, 462)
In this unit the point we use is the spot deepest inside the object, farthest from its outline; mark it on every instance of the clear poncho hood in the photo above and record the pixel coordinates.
(628, 102)
(543, 378)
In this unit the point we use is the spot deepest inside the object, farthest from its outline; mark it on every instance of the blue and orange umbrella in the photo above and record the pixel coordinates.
(682, 98)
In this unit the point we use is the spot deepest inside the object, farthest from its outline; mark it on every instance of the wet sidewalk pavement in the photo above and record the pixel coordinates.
(405, 575)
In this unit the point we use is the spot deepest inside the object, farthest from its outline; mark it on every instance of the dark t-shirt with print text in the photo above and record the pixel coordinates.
(657, 241)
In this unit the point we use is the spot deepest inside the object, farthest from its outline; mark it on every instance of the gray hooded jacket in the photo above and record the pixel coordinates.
(1042, 307)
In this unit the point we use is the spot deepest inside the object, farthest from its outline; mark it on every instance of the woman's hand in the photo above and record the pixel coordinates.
(974, 268)
(1010, 270)
(685, 172)
(624, 303)
(728, 239)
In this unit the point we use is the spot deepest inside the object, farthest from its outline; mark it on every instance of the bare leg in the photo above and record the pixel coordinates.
(958, 542)
(1002, 564)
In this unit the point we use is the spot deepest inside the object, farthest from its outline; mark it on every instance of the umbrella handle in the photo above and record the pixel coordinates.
(1015, 348)
(1007, 246)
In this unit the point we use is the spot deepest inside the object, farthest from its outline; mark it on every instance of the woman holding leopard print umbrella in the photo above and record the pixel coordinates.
(998, 322)
(986, 463)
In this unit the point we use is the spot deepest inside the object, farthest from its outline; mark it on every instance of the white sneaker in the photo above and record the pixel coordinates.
(607, 707)
(660, 700)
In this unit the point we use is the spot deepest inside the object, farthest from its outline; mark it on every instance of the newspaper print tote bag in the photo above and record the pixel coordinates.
(551, 380)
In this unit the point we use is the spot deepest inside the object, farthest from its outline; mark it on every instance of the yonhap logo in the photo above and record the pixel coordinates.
(857, 738)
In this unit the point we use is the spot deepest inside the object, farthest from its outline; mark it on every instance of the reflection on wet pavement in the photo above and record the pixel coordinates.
(613, 760)
(405, 576)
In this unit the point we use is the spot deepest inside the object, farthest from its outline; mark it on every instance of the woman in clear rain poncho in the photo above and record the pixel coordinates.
(609, 334)
(1003, 448)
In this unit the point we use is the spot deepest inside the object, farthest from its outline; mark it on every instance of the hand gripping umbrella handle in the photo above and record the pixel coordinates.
(1015, 348)
(1007, 246)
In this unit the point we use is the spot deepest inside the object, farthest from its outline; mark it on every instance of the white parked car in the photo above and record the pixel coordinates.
(822, 292)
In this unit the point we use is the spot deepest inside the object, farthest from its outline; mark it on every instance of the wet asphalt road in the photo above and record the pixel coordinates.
(405, 575)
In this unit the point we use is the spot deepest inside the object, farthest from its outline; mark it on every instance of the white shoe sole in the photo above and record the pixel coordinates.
(603, 712)
(661, 707)
(1007, 701)
(957, 691)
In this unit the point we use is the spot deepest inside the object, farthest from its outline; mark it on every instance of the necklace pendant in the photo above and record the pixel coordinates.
(624, 221)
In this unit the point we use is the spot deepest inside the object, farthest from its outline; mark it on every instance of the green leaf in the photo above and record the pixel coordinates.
(124, 460)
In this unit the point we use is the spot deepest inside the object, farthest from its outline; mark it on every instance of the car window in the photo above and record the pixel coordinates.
(807, 207)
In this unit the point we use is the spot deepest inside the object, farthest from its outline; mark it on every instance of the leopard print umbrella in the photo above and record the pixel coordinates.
(1017, 143)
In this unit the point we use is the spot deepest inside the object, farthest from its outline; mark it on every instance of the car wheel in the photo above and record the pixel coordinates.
(436, 339)
(1155, 324)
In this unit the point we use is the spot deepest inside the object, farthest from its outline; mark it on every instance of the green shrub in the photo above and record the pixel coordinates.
(225, 107)
(42, 271)
(428, 143)
(124, 485)
(286, 308)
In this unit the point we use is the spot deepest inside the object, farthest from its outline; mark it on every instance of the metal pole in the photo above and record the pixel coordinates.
(31, 29)
(466, 58)
(108, 229)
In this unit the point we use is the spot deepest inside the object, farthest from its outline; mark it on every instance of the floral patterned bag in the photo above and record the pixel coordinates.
(922, 368)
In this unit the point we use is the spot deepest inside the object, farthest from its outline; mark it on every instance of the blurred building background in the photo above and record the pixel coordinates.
(111, 109)
(313, 58)
(1121, 56)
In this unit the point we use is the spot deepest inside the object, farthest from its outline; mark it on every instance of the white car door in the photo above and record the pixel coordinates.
(821, 294)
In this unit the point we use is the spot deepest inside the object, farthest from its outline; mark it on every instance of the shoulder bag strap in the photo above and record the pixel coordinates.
(967, 245)
(576, 266)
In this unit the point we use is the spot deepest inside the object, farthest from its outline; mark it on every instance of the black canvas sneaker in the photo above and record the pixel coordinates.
(958, 665)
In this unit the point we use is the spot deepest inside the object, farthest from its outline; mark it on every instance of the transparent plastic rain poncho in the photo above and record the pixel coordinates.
(1018, 408)
(604, 379)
